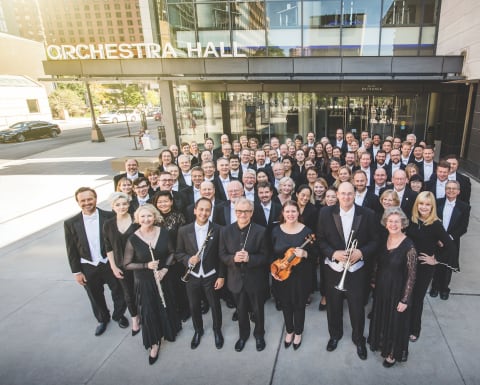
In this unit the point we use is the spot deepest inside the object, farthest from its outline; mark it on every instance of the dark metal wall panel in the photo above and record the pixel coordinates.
(226, 66)
(102, 67)
(184, 66)
(417, 65)
(140, 67)
(367, 65)
(311, 65)
(270, 66)
(452, 64)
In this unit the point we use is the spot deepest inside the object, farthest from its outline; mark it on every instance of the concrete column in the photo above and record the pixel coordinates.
(169, 116)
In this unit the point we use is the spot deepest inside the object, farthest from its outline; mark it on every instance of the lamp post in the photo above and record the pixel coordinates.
(96, 133)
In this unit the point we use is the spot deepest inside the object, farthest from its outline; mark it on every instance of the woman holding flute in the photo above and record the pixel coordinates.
(148, 253)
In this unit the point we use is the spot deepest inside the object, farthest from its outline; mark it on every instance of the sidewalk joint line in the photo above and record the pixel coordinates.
(446, 342)
(272, 374)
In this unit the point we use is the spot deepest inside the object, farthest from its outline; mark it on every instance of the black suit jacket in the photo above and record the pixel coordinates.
(76, 239)
(330, 232)
(458, 224)
(217, 217)
(250, 275)
(465, 187)
(390, 172)
(187, 246)
(116, 178)
(273, 218)
(372, 172)
(371, 201)
(220, 192)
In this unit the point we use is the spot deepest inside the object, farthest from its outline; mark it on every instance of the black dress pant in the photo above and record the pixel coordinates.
(197, 290)
(254, 300)
(97, 277)
(128, 287)
(441, 279)
(422, 280)
(355, 294)
(294, 316)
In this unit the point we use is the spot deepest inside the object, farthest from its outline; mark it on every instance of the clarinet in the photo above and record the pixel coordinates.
(159, 284)
(191, 266)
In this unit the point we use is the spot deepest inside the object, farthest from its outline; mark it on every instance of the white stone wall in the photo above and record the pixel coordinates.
(459, 31)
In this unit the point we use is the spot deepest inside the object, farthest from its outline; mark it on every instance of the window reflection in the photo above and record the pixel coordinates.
(282, 14)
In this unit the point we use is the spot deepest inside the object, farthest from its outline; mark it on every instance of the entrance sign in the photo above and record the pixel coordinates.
(140, 51)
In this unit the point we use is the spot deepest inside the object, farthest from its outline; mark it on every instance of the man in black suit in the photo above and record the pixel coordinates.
(234, 191)
(428, 167)
(222, 179)
(455, 216)
(191, 193)
(165, 181)
(266, 212)
(88, 259)
(207, 190)
(465, 184)
(243, 250)
(438, 182)
(405, 194)
(184, 176)
(197, 248)
(131, 172)
(367, 167)
(141, 188)
(335, 224)
(363, 197)
(379, 181)
(395, 163)
(340, 141)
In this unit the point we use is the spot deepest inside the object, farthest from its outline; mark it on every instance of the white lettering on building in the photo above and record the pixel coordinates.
(140, 51)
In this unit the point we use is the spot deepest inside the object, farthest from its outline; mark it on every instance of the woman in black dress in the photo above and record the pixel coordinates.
(395, 278)
(117, 230)
(428, 235)
(158, 321)
(294, 291)
(172, 219)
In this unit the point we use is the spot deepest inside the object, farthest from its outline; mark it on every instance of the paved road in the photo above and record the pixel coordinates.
(70, 135)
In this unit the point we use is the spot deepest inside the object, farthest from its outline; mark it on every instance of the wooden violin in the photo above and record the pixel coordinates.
(282, 267)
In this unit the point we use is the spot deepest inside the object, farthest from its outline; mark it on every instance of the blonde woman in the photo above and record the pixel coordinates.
(286, 187)
(427, 232)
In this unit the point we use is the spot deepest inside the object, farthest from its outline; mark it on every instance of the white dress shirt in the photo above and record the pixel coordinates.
(440, 189)
(92, 229)
(427, 170)
(447, 213)
(188, 178)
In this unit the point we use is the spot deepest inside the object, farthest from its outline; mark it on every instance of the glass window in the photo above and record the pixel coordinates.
(430, 12)
(182, 25)
(401, 12)
(213, 15)
(248, 16)
(321, 23)
(427, 46)
(283, 14)
(361, 28)
(401, 41)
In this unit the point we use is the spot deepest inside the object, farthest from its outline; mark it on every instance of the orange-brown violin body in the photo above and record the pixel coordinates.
(282, 267)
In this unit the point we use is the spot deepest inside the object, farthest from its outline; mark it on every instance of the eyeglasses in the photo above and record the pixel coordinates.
(238, 212)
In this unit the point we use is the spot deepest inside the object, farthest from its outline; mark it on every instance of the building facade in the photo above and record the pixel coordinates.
(277, 67)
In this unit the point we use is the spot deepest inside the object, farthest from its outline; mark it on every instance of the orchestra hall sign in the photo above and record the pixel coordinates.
(140, 51)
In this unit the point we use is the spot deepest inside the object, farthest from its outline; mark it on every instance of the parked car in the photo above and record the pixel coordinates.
(122, 115)
(158, 115)
(34, 129)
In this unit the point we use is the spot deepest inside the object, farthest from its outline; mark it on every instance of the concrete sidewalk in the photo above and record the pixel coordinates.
(48, 329)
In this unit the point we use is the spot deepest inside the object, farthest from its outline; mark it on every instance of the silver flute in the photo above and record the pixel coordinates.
(191, 266)
(158, 282)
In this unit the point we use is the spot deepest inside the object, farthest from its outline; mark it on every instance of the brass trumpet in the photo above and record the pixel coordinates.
(351, 245)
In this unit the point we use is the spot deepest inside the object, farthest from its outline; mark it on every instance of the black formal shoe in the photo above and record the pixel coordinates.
(362, 351)
(235, 316)
(332, 344)
(444, 295)
(434, 293)
(205, 307)
(152, 360)
(218, 339)
(123, 322)
(230, 304)
(322, 307)
(240, 344)
(387, 364)
(135, 332)
(260, 343)
(102, 326)
(196, 339)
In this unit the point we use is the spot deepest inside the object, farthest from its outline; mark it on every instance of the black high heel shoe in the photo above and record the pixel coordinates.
(135, 332)
(388, 364)
(296, 346)
(287, 343)
(152, 360)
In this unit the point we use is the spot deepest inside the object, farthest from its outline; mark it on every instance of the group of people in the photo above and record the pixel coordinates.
(350, 217)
